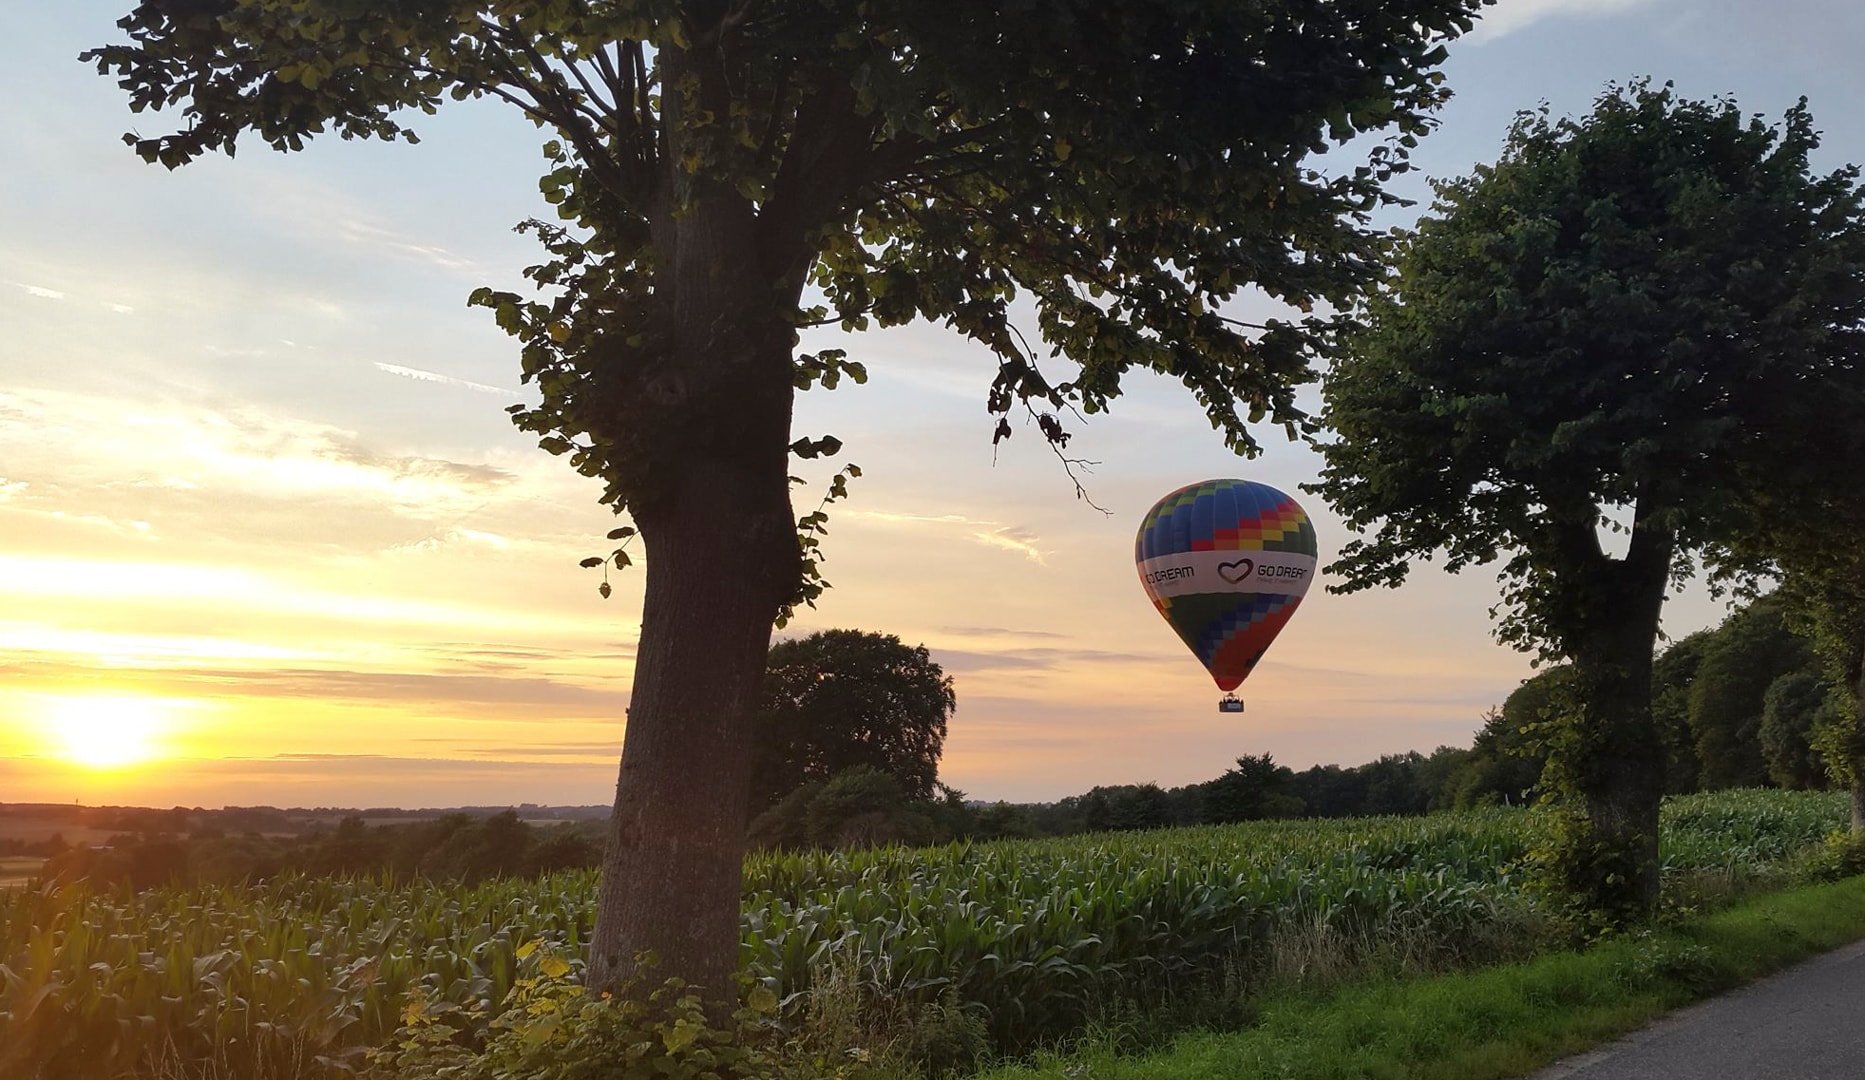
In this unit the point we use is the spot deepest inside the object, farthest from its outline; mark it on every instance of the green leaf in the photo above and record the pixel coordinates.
(679, 1036)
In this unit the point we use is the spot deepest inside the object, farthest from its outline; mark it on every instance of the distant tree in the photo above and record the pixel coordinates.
(840, 699)
(502, 848)
(1671, 675)
(417, 850)
(565, 847)
(1740, 661)
(862, 807)
(1330, 791)
(1122, 169)
(1599, 328)
(1504, 763)
(857, 807)
(1826, 592)
(353, 849)
(1001, 820)
(231, 860)
(1255, 789)
(1438, 775)
(1393, 785)
(1794, 705)
(1125, 807)
(1064, 817)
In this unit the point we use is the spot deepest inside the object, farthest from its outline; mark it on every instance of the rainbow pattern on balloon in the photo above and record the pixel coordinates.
(1226, 562)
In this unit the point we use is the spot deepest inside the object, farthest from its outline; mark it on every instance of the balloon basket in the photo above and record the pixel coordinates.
(1229, 703)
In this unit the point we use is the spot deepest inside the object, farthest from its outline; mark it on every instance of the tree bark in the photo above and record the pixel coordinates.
(1615, 762)
(1621, 784)
(673, 871)
(721, 558)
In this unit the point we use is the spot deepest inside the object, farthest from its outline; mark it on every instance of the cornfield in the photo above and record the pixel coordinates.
(297, 978)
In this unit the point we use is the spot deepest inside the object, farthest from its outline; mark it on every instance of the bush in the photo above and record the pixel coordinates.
(1841, 856)
(552, 1028)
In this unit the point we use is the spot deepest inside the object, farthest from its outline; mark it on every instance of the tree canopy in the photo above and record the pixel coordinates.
(1616, 316)
(1128, 168)
(1612, 327)
(840, 699)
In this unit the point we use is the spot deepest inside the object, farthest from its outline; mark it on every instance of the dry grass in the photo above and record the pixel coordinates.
(33, 830)
(17, 870)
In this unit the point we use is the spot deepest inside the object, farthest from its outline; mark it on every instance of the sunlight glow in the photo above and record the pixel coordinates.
(107, 732)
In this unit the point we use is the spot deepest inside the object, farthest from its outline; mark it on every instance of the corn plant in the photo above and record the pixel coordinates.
(297, 978)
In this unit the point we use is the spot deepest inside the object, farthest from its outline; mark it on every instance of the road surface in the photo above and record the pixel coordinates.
(1805, 1023)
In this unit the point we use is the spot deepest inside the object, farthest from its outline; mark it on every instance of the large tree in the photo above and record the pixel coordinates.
(839, 699)
(1122, 170)
(1599, 331)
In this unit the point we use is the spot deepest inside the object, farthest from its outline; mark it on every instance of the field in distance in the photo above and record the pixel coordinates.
(36, 823)
(17, 870)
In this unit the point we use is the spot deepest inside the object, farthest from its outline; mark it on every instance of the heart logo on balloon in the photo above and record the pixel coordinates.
(1229, 572)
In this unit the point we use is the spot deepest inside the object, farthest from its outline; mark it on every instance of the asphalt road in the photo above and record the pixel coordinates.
(1805, 1023)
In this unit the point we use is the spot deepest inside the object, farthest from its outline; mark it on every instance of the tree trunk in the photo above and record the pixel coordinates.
(722, 557)
(1614, 867)
(1612, 764)
(672, 875)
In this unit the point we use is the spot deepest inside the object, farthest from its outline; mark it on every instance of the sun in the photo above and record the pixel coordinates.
(107, 732)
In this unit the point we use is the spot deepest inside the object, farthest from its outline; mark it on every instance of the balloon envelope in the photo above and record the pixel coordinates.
(1226, 562)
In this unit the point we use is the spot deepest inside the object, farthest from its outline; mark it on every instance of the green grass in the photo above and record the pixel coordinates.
(1502, 1022)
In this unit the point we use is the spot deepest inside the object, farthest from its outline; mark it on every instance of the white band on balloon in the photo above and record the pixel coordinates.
(1284, 572)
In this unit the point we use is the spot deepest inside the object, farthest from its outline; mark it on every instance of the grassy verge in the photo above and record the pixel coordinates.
(1501, 1022)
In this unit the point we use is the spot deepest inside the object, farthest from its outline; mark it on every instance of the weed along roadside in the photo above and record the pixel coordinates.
(1500, 1022)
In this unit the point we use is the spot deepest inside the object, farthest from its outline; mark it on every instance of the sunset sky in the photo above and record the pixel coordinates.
(266, 535)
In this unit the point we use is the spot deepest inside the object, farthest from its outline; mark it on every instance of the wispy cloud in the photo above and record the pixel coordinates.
(203, 587)
(39, 291)
(48, 651)
(420, 688)
(1037, 659)
(454, 536)
(997, 631)
(1013, 538)
(446, 380)
(360, 231)
(332, 214)
(248, 452)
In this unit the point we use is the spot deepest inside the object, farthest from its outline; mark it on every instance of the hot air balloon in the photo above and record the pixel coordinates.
(1226, 562)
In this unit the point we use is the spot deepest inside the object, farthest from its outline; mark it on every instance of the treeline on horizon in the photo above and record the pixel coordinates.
(1738, 705)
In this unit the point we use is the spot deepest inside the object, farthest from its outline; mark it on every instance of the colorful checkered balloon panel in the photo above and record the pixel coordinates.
(1227, 563)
